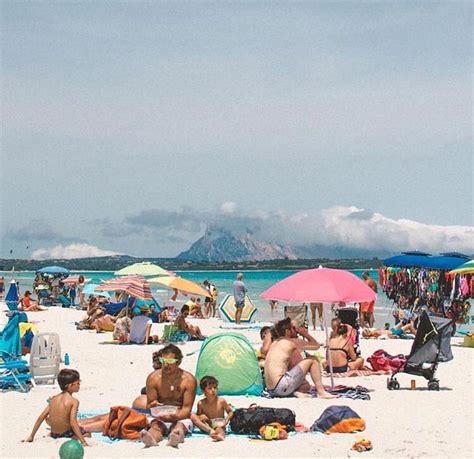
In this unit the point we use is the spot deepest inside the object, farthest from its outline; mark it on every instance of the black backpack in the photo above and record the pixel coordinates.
(249, 420)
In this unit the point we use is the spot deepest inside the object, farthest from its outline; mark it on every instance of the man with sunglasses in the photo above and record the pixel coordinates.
(171, 386)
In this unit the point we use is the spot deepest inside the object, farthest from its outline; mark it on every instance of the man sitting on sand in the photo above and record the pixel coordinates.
(193, 330)
(285, 368)
(170, 385)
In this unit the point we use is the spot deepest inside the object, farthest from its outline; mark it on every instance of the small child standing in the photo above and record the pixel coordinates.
(211, 410)
(61, 412)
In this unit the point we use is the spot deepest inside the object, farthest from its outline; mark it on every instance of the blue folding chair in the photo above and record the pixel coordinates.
(14, 371)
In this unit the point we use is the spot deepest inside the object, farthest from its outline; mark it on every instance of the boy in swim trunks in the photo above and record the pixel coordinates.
(211, 410)
(61, 412)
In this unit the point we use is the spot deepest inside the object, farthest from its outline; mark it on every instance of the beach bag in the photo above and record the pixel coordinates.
(123, 422)
(249, 420)
(338, 419)
(382, 360)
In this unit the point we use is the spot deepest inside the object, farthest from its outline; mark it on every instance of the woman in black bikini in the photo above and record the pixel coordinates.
(342, 352)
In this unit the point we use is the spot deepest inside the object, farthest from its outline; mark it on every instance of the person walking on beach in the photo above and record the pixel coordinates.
(170, 385)
(366, 311)
(239, 290)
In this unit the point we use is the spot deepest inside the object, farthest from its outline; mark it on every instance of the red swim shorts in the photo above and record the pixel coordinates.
(367, 307)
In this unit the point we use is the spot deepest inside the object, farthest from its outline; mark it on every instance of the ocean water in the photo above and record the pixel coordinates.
(256, 281)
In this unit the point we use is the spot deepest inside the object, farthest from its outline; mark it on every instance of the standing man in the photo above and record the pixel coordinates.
(366, 311)
(170, 385)
(240, 290)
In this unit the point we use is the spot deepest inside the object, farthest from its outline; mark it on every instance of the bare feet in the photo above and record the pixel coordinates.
(299, 394)
(216, 437)
(147, 439)
(175, 438)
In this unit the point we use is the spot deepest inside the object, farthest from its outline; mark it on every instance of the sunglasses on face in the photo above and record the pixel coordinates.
(169, 361)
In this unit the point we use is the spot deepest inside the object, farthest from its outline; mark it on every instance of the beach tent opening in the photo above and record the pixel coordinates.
(231, 359)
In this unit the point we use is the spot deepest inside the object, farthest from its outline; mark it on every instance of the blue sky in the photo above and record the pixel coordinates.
(271, 113)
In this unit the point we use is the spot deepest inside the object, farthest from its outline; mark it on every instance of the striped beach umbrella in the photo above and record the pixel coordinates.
(227, 309)
(136, 286)
(70, 280)
(466, 268)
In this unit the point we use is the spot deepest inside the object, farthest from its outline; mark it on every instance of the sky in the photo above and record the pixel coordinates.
(129, 127)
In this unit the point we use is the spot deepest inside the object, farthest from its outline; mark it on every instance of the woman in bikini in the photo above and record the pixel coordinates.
(342, 352)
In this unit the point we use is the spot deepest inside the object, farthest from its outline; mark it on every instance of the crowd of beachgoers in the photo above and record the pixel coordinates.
(292, 360)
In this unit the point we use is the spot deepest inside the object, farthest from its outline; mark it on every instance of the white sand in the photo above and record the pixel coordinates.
(401, 423)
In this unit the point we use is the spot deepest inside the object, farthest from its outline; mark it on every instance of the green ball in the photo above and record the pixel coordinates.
(71, 449)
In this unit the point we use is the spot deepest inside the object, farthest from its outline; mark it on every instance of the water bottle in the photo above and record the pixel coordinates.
(66, 359)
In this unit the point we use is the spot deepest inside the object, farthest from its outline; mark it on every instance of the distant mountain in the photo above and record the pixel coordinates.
(220, 245)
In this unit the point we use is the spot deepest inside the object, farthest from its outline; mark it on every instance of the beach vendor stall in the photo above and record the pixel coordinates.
(418, 280)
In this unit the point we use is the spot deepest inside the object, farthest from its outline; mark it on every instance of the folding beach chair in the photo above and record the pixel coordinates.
(45, 358)
(169, 331)
(298, 314)
(13, 369)
(14, 372)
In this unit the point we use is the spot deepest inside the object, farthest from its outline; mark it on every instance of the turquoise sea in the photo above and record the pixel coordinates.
(256, 281)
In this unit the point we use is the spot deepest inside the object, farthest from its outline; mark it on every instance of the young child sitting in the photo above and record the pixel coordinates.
(211, 410)
(61, 412)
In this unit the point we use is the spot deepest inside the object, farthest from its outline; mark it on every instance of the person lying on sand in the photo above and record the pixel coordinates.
(285, 368)
(212, 410)
(170, 385)
(61, 412)
(395, 332)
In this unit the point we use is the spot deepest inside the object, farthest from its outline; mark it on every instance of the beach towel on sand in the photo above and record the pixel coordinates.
(362, 372)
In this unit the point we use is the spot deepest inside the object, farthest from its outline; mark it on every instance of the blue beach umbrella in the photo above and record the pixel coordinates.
(12, 297)
(53, 270)
(89, 289)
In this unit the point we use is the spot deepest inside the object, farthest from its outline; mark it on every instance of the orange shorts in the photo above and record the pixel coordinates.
(367, 307)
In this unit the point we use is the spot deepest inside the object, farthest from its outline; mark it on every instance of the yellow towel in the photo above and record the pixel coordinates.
(25, 326)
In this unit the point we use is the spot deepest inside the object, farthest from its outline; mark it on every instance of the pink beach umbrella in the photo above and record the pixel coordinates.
(321, 285)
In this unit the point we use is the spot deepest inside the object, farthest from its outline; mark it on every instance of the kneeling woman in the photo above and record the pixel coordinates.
(342, 352)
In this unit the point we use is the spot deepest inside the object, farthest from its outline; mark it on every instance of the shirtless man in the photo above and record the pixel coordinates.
(285, 368)
(366, 310)
(170, 385)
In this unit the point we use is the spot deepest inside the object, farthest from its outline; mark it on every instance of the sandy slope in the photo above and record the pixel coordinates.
(402, 423)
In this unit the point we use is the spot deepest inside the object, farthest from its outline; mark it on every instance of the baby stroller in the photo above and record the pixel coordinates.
(350, 316)
(432, 345)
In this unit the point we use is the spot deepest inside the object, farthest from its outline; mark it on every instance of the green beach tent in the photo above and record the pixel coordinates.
(231, 359)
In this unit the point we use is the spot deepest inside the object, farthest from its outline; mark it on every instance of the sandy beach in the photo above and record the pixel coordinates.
(402, 423)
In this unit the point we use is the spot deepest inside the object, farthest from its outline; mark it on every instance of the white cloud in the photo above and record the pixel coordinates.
(71, 251)
(228, 207)
(360, 228)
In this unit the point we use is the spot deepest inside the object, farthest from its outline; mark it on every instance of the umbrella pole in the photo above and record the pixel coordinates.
(327, 349)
